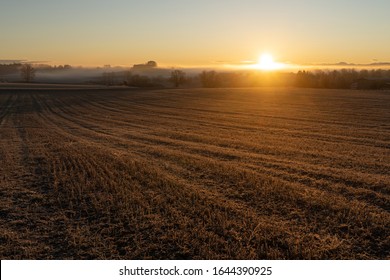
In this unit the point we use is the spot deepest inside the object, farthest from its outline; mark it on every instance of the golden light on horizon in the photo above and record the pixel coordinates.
(266, 62)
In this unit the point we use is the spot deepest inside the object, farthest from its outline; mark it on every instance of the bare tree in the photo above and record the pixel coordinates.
(178, 77)
(27, 72)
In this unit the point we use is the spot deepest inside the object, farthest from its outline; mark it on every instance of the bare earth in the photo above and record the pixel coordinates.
(194, 174)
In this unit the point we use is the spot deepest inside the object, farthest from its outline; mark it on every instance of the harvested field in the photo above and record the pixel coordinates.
(194, 174)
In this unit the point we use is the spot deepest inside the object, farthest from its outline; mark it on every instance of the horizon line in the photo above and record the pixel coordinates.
(216, 65)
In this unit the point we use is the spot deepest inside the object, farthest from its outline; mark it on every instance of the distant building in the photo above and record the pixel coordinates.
(371, 83)
(149, 65)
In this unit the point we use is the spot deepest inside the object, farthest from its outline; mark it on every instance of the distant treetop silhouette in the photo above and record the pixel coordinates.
(148, 65)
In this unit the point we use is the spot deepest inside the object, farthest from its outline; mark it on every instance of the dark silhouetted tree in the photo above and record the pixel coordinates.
(27, 72)
(209, 79)
(178, 77)
(151, 63)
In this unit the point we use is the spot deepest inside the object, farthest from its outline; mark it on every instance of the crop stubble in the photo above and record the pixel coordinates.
(194, 174)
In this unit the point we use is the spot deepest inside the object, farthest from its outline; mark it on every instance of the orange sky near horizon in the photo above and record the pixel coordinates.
(194, 33)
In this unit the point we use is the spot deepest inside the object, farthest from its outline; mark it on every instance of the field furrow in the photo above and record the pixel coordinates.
(195, 174)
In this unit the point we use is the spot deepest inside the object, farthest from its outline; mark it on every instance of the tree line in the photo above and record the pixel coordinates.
(338, 79)
(342, 79)
(332, 79)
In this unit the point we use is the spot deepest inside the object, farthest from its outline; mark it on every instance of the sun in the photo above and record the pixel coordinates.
(266, 62)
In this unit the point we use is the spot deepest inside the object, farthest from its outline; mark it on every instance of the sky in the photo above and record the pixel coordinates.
(192, 33)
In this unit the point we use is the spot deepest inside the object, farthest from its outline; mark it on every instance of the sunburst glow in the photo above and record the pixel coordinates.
(266, 62)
